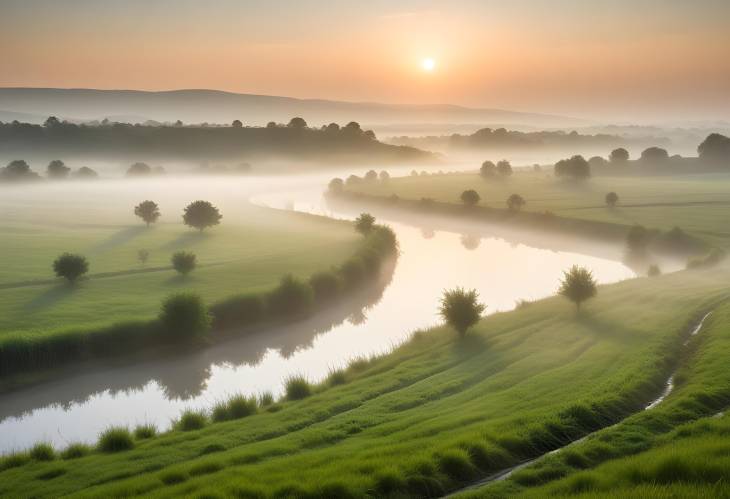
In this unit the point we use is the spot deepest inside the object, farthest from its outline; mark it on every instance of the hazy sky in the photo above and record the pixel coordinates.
(619, 59)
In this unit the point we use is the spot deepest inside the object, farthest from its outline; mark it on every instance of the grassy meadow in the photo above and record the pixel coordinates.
(249, 251)
(435, 414)
(699, 204)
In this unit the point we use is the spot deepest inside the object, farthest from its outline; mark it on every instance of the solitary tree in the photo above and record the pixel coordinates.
(147, 211)
(297, 123)
(57, 169)
(371, 176)
(201, 214)
(336, 186)
(619, 155)
(504, 168)
(237, 124)
(384, 176)
(184, 262)
(611, 199)
(470, 197)
(488, 169)
(578, 285)
(461, 309)
(143, 255)
(139, 169)
(515, 202)
(70, 266)
(364, 223)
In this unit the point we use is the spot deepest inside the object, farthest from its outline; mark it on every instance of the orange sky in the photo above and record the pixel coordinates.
(616, 59)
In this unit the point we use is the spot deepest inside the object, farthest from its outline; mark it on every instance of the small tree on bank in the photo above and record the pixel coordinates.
(364, 223)
(148, 211)
(578, 285)
(611, 199)
(185, 315)
(461, 309)
(184, 262)
(201, 214)
(470, 197)
(515, 202)
(142, 256)
(70, 266)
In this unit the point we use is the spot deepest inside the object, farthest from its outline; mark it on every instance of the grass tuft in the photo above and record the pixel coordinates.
(75, 451)
(191, 420)
(297, 387)
(145, 431)
(115, 439)
(43, 451)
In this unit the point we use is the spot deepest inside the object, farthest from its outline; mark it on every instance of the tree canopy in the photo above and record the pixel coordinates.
(461, 309)
(70, 266)
(148, 211)
(201, 214)
(578, 285)
(576, 168)
(470, 197)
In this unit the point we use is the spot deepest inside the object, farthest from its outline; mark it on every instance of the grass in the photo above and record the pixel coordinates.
(115, 439)
(191, 420)
(297, 387)
(248, 253)
(699, 204)
(145, 431)
(438, 411)
(678, 449)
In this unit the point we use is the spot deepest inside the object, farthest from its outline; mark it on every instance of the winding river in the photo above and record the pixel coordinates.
(504, 266)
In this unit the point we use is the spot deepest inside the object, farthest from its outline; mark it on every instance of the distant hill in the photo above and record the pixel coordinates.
(213, 106)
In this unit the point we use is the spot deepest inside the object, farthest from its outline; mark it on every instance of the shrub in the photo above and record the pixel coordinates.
(145, 431)
(238, 311)
(470, 197)
(461, 309)
(184, 262)
(142, 256)
(611, 199)
(115, 439)
(654, 270)
(364, 223)
(488, 169)
(70, 266)
(43, 451)
(201, 214)
(291, 298)
(185, 315)
(578, 285)
(352, 271)
(515, 202)
(191, 420)
(75, 451)
(326, 285)
(297, 387)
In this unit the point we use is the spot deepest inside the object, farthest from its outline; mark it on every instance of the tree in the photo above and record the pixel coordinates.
(70, 266)
(51, 122)
(291, 298)
(515, 202)
(611, 199)
(576, 168)
(201, 214)
(19, 170)
(57, 169)
(371, 176)
(578, 285)
(654, 156)
(384, 176)
(638, 239)
(184, 262)
(504, 168)
(619, 155)
(85, 172)
(237, 124)
(336, 186)
(147, 211)
(364, 223)
(488, 169)
(461, 309)
(715, 149)
(597, 162)
(297, 123)
(139, 169)
(470, 197)
(143, 255)
(185, 315)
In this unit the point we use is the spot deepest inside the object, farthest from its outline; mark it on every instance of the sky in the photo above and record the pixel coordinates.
(601, 59)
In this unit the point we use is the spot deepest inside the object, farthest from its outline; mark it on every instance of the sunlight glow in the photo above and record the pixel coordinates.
(428, 64)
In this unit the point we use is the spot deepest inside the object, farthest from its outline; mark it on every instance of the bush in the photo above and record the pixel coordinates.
(191, 420)
(461, 309)
(292, 298)
(352, 271)
(238, 311)
(70, 266)
(611, 199)
(515, 202)
(578, 285)
(470, 197)
(326, 285)
(185, 315)
(43, 451)
(297, 387)
(184, 262)
(145, 431)
(654, 270)
(115, 439)
(75, 451)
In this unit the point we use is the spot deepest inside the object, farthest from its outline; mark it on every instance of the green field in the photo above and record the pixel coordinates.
(439, 411)
(250, 251)
(699, 204)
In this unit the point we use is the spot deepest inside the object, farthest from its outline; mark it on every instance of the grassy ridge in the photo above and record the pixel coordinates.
(435, 414)
(699, 204)
(678, 449)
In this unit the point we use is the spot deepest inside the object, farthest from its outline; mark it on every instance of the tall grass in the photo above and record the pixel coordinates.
(297, 387)
(115, 439)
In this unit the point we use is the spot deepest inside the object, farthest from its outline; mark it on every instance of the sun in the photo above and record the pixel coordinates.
(428, 64)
